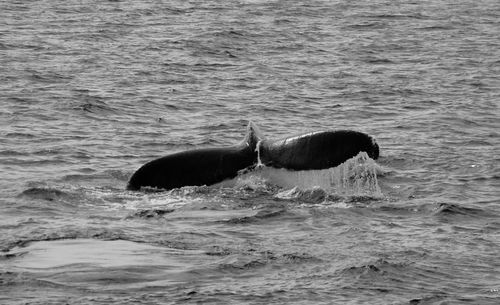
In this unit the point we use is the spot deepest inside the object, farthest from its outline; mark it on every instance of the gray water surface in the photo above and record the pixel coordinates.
(91, 90)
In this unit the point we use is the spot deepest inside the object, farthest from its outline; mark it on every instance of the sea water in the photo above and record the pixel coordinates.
(91, 90)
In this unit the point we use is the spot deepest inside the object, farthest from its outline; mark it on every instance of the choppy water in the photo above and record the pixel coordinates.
(90, 90)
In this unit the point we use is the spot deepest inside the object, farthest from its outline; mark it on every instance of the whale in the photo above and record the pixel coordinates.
(317, 150)
(205, 166)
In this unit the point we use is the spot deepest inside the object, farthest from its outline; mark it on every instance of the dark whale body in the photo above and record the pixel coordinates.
(317, 150)
(197, 167)
(312, 151)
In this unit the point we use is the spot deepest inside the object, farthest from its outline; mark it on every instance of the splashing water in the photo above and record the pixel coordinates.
(257, 149)
(355, 177)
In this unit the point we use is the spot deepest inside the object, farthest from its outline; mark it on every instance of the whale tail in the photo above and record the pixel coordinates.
(253, 136)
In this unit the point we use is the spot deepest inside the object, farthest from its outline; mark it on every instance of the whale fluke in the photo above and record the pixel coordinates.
(206, 166)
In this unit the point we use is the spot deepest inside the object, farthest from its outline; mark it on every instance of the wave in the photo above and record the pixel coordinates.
(107, 174)
(100, 234)
(373, 60)
(261, 215)
(434, 299)
(49, 194)
(6, 256)
(442, 209)
(243, 265)
(367, 25)
(451, 209)
(251, 259)
(397, 16)
(94, 107)
(381, 266)
(437, 28)
(150, 213)
(20, 135)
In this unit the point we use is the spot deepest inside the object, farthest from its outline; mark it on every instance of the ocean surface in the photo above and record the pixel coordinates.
(91, 90)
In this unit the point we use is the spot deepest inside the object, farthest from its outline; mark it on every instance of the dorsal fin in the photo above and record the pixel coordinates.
(253, 135)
